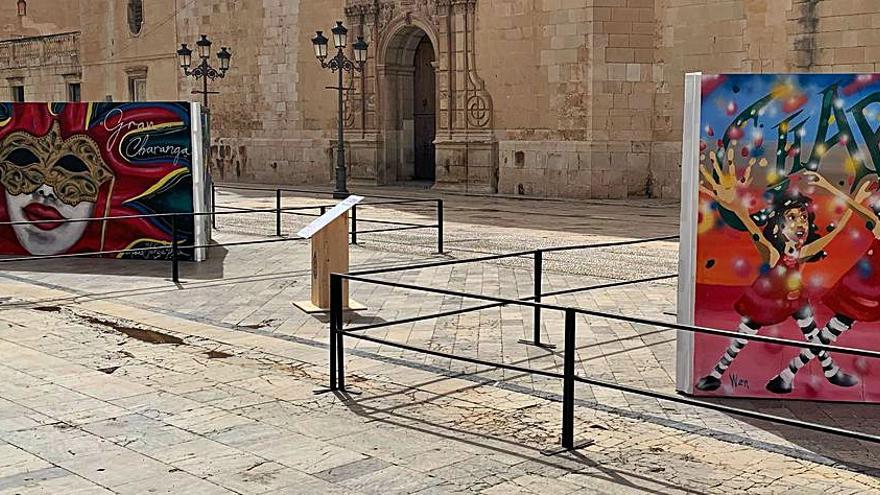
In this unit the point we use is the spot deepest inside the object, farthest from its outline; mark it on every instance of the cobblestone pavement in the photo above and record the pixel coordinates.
(126, 383)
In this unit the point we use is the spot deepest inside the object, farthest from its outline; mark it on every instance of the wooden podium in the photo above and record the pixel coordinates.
(329, 236)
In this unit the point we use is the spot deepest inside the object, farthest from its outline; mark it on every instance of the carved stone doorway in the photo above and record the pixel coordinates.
(409, 101)
(393, 109)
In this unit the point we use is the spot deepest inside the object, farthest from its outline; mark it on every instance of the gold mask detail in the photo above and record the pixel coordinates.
(73, 167)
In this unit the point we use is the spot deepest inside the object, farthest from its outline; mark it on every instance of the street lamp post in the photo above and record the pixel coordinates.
(204, 70)
(340, 63)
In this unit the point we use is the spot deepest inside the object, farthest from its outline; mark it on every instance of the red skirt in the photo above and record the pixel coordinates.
(773, 297)
(857, 294)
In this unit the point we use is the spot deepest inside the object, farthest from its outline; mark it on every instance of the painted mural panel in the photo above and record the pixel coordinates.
(86, 160)
(787, 235)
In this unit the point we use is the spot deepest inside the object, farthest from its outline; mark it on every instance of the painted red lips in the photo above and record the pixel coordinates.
(35, 212)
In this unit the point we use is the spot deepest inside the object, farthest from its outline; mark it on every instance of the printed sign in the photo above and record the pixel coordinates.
(334, 213)
(781, 235)
(69, 161)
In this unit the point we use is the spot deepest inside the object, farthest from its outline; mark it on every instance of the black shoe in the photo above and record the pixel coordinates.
(842, 379)
(779, 386)
(708, 383)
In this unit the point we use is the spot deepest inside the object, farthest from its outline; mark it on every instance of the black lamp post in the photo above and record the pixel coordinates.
(204, 70)
(340, 63)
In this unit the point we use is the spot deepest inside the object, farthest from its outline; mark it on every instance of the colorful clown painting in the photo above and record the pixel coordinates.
(63, 163)
(780, 235)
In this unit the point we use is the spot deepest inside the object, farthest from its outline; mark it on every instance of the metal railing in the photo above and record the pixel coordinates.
(174, 248)
(568, 376)
(370, 200)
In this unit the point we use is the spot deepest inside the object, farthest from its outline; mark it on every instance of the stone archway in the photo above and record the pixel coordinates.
(408, 98)
(384, 110)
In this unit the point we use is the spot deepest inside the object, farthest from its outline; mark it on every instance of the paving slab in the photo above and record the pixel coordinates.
(91, 403)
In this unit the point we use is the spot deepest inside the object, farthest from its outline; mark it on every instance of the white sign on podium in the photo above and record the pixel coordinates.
(326, 218)
(329, 239)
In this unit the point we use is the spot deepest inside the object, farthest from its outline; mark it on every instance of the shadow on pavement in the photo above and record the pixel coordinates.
(572, 461)
(858, 455)
(212, 268)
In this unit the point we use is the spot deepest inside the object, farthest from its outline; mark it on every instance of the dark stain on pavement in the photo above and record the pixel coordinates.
(142, 334)
(48, 309)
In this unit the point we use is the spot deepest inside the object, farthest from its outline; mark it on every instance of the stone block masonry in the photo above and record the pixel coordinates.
(587, 93)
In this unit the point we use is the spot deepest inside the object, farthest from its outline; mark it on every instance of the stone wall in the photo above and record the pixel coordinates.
(112, 52)
(272, 120)
(44, 17)
(709, 36)
(577, 81)
(43, 65)
(584, 97)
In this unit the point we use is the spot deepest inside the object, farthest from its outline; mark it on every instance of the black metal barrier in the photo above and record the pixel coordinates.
(370, 200)
(279, 210)
(174, 245)
(568, 376)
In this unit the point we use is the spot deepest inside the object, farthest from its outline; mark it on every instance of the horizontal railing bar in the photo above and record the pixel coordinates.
(292, 210)
(629, 319)
(298, 214)
(727, 333)
(610, 244)
(242, 188)
(607, 285)
(415, 319)
(324, 193)
(395, 229)
(389, 222)
(431, 352)
(401, 201)
(627, 389)
(154, 248)
(436, 264)
(453, 312)
(492, 257)
(731, 410)
(448, 292)
(86, 255)
(247, 243)
(157, 215)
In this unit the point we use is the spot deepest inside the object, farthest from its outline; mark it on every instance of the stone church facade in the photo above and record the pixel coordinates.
(547, 98)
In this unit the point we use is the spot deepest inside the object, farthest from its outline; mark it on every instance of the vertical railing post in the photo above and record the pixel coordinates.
(335, 319)
(337, 368)
(536, 310)
(213, 206)
(568, 381)
(354, 224)
(175, 268)
(440, 226)
(538, 275)
(278, 212)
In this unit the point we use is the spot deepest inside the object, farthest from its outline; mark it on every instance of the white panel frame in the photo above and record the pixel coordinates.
(201, 222)
(687, 251)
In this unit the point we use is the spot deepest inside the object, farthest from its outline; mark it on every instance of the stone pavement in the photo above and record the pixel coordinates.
(125, 383)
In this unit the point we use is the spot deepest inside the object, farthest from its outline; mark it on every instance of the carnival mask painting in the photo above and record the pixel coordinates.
(67, 167)
(51, 179)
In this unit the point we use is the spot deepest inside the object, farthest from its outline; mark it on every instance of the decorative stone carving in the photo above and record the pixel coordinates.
(465, 112)
(379, 20)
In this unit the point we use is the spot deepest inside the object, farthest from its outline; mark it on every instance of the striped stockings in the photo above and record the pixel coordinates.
(827, 335)
(736, 345)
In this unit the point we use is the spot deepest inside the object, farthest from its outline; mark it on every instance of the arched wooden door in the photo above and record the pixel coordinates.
(424, 111)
